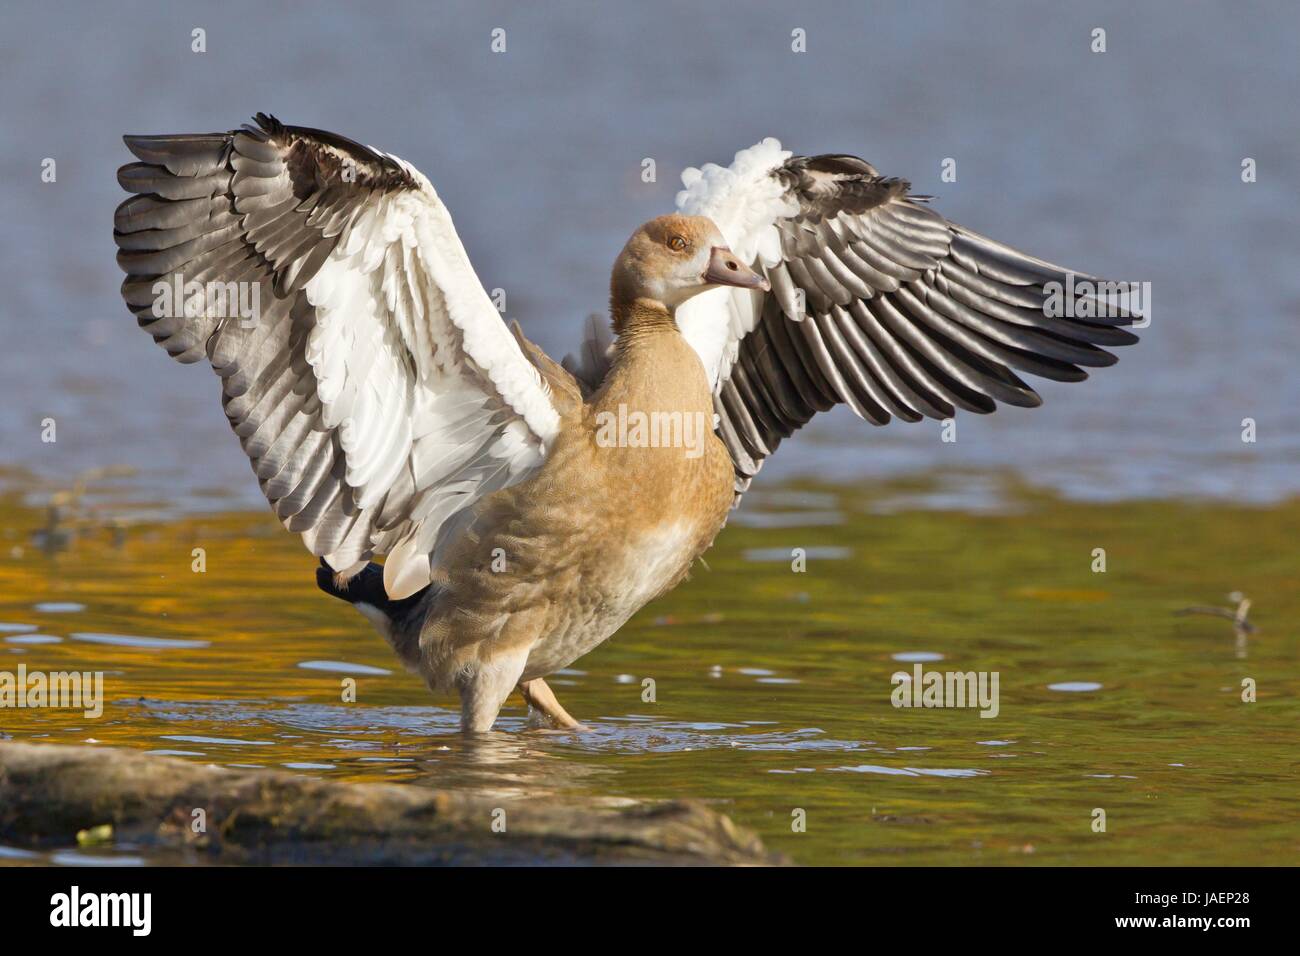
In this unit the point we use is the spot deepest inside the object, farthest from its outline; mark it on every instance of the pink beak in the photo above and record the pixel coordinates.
(725, 268)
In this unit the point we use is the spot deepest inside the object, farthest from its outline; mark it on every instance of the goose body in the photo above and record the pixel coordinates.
(527, 509)
(553, 566)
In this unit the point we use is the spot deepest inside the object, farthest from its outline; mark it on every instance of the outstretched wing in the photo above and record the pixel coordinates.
(366, 372)
(877, 302)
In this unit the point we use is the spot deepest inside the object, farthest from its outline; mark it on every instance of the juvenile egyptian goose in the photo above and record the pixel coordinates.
(526, 509)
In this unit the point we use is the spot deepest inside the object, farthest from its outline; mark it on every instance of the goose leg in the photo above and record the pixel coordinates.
(541, 698)
(484, 687)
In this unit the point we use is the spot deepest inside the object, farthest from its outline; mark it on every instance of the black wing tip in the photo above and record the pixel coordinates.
(845, 166)
(1027, 397)
(150, 139)
(269, 127)
(268, 123)
(1117, 335)
(841, 164)
(1104, 359)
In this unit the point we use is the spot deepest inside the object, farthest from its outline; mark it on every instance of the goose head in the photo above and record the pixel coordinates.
(672, 258)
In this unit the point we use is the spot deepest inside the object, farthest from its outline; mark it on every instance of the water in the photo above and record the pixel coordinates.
(772, 689)
(1124, 164)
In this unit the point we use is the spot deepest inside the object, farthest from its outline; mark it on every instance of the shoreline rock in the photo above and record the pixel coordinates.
(50, 792)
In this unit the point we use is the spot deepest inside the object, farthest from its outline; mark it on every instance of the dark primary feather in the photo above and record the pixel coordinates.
(881, 304)
(263, 204)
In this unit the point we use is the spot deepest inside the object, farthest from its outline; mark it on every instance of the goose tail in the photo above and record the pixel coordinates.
(398, 621)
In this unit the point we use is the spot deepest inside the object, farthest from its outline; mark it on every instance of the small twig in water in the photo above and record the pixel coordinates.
(1237, 617)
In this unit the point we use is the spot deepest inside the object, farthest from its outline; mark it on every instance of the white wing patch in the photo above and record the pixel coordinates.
(412, 366)
(744, 200)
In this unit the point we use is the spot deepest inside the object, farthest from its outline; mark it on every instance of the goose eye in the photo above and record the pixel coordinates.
(677, 244)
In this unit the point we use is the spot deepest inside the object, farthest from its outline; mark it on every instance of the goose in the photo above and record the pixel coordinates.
(525, 509)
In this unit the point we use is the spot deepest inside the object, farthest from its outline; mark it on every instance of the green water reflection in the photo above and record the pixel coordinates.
(771, 686)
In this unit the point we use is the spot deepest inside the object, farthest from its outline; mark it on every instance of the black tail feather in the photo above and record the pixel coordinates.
(367, 587)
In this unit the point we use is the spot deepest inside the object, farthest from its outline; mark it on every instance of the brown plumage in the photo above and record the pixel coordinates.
(551, 567)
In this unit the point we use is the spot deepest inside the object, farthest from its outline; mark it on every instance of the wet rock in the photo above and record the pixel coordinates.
(48, 793)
